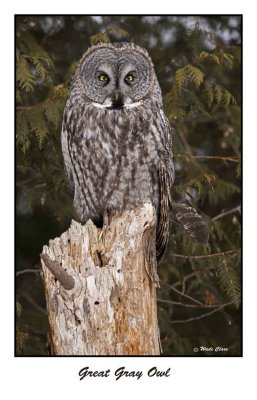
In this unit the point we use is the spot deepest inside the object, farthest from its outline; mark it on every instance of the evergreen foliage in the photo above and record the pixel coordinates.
(199, 72)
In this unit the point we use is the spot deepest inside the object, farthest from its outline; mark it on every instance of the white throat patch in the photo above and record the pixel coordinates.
(126, 106)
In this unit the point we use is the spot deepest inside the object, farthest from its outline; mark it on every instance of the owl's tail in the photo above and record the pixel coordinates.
(192, 222)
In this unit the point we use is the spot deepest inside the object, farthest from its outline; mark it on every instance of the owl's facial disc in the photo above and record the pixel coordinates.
(116, 79)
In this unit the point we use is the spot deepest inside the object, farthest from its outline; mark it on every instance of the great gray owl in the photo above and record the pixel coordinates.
(116, 140)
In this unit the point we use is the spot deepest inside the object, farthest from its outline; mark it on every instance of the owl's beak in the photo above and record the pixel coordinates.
(117, 95)
(117, 100)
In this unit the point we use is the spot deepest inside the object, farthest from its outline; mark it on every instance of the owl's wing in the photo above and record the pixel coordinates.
(66, 151)
(166, 176)
(163, 219)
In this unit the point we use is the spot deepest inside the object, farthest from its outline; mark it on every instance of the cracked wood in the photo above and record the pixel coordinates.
(112, 308)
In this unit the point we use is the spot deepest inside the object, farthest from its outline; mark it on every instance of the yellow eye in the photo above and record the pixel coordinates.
(103, 78)
(129, 78)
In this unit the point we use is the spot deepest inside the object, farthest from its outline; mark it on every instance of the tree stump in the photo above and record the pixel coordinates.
(100, 287)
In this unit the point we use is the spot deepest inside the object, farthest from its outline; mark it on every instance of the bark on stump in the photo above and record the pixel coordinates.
(101, 293)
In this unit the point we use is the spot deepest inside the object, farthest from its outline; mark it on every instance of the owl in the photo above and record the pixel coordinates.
(116, 139)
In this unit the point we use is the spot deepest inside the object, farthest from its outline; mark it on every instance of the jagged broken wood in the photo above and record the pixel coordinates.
(100, 287)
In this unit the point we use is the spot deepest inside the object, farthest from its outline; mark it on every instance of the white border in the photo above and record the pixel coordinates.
(194, 378)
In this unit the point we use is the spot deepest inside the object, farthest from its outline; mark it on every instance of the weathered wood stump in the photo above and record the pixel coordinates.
(100, 287)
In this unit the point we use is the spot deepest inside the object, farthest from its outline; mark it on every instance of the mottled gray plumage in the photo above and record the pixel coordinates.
(115, 138)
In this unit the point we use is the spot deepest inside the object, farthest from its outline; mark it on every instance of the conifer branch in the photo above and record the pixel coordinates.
(192, 275)
(235, 159)
(207, 255)
(185, 142)
(184, 295)
(34, 303)
(178, 303)
(39, 104)
(28, 271)
(231, 158)
(184, 321)
(223, 214)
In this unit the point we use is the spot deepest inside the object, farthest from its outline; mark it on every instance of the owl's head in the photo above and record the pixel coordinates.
(115, 76)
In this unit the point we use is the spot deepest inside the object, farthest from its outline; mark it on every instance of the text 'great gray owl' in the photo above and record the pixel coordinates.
(116, 139)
